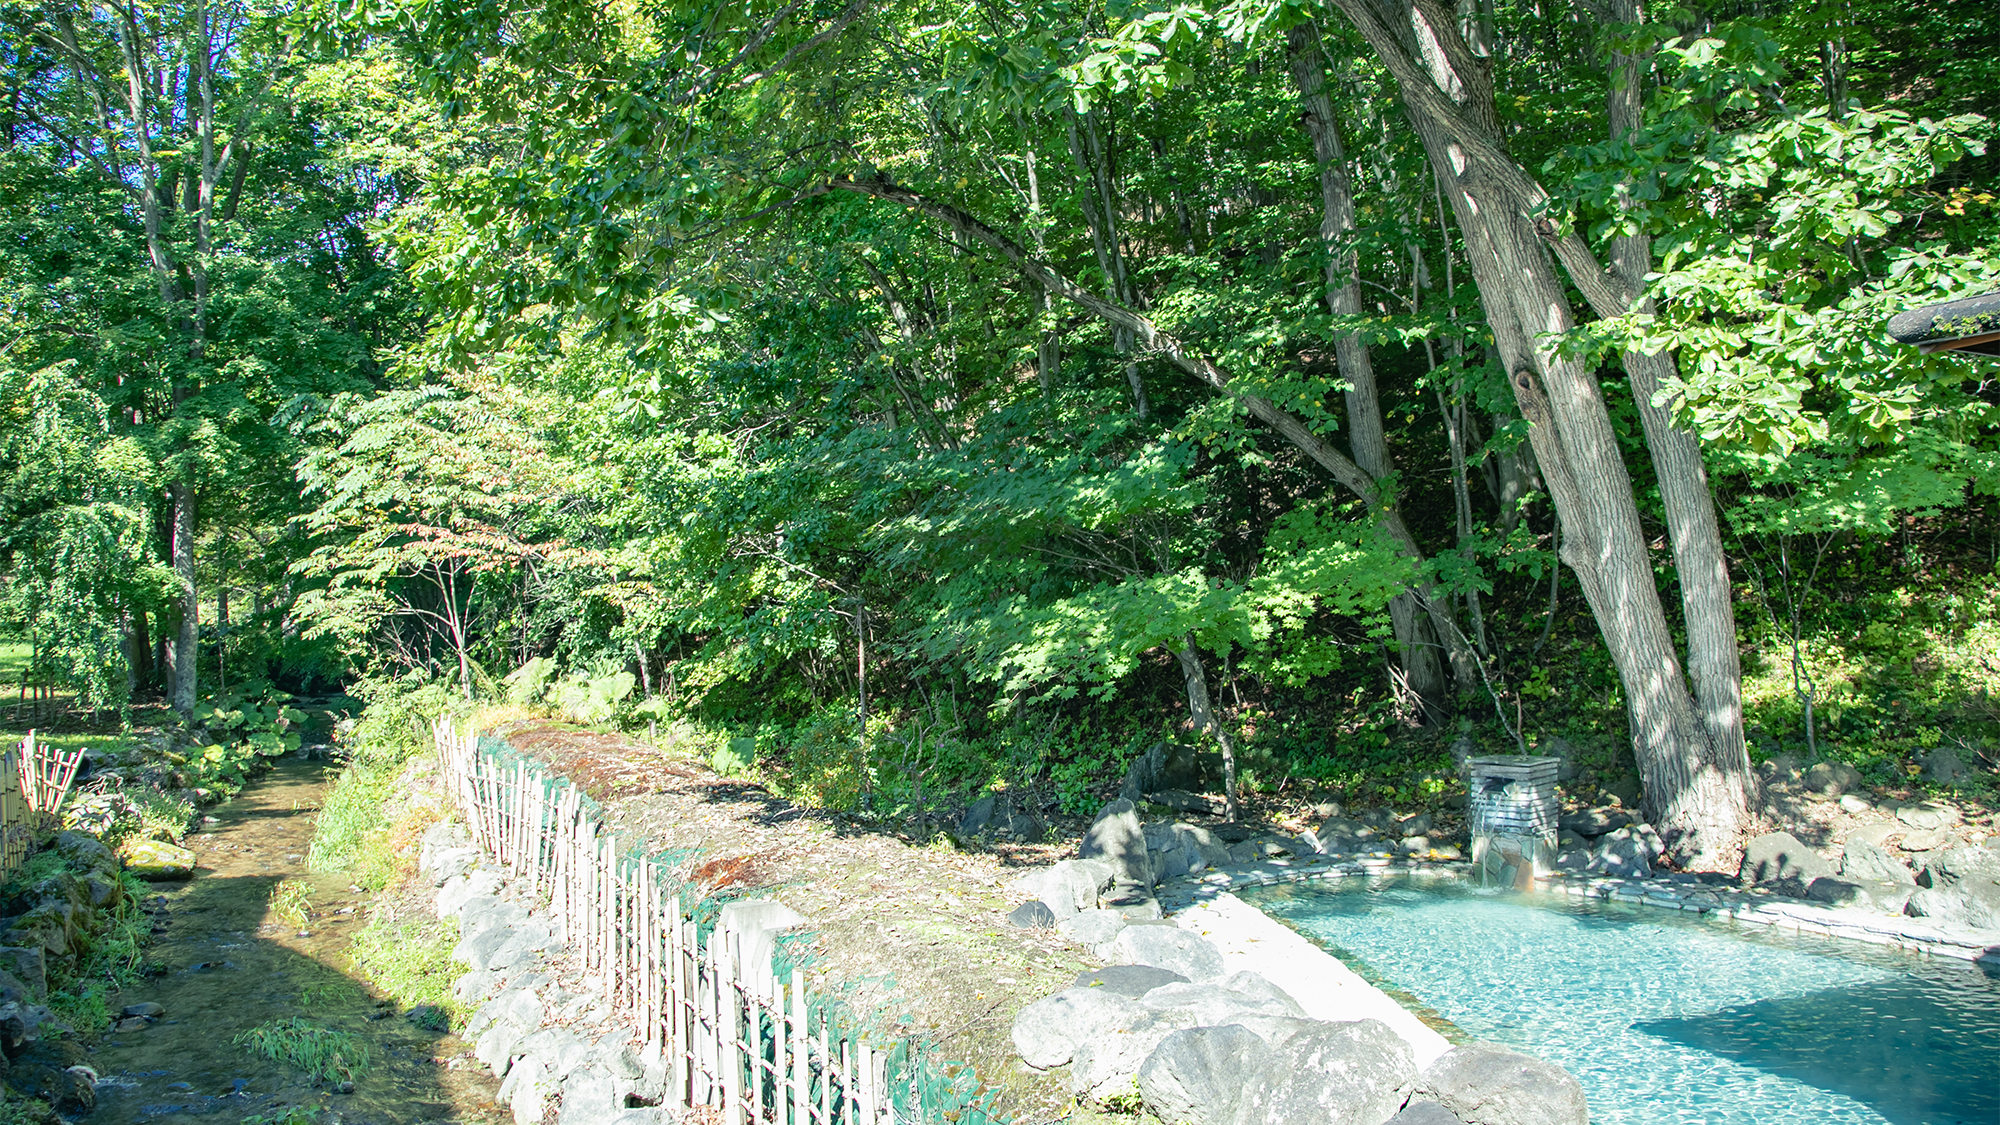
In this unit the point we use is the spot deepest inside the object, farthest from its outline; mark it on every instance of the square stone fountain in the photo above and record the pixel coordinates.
(1511, 810)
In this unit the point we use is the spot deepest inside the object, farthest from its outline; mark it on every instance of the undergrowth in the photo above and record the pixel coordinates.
(325, 1053)
(352, 833)
(410, 960)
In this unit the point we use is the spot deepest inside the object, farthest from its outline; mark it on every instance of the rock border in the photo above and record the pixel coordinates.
(1746, 906)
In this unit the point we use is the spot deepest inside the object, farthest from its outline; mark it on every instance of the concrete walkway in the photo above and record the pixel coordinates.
(1252, 941)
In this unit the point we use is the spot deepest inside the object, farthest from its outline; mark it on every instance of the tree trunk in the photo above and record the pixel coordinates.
(1416, 642)
(185, 673)
(1204, 719)
(1713, 664)
(1098, 198)
(1693, 788)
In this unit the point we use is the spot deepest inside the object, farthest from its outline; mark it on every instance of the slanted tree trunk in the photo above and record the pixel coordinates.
(1714, 666)
(1694, 790)
(1417, 641)
(1204, 717)
(185, 673)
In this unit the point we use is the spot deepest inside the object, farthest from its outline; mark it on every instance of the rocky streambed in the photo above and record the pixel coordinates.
(253, 939)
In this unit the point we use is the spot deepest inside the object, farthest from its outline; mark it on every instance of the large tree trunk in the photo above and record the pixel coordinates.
(1694, 790)
(1416, 641)
(1097, 195)
(186, 674)
(1714, 666)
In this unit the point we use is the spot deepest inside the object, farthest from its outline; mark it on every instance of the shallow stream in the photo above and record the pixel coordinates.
(232, 963)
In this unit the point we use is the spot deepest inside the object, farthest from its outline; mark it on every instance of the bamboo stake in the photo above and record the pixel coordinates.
(801, 1090)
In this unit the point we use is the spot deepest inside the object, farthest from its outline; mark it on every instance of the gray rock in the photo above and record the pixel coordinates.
(1927, 816)
(1116, 839)
(1195, 1075)
(1092, 927)
(147, 1008)
(1482, 1084)
(1780, 767)
(1418, 825)
(1853, 804)
(528, 1099)
(1022, 826)
(498, 1046)
(1279, 1030)
(1355, 1073)
(1048, 1031)
(481, 914)
(1207, 1005)
(1961, 887)
(1831, 779)
(1879, 895)
(648, 1115)
(475, 985)
(1950, 906)
(30, 966)
(978, 816)
(1261, 989)
(1106, 1066)
(1033, 914)
(1626, 852)
(1777, 857)
(1180, 800)
(1925, 839)
(1133, 981)
(459, 889)
(475, 950)
(1942, 765)
(1863, 861)
(1563, 753)
(1168, 947)
(1595, 822)
(1068, 886)
(589, 1097)
(1133, 903)
(1424, 1112)
(450, 863)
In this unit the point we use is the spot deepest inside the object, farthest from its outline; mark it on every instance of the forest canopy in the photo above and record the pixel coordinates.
(937, 398)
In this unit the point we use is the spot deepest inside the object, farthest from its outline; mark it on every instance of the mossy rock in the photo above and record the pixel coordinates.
(156, 860)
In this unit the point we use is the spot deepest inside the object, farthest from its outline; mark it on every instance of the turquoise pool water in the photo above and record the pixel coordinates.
(1667, 1019)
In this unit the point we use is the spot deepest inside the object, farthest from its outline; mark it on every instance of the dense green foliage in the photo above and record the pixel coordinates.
(758, 374)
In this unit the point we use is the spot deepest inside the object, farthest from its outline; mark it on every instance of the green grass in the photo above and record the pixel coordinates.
(290, 901)
(13, 659)
(411, 961)
(324, 1053)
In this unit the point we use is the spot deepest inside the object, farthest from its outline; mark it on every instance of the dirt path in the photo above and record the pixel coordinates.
(233, 964)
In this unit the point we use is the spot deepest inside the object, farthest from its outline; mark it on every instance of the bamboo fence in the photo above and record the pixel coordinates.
(734, 1037)
(34, 779)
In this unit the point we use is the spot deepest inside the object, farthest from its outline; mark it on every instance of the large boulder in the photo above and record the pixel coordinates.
(1117, 839)
(30, 966)
(1107, 1066)
(1209, 1005)
(1942, 765)
(1195, 1075)
(1482, 1084)
(156, 859)
(1168, 947)
(1133, 981)
(1067, 887)
(1424, 1112)
(1033, 914)
(1863, 861)
(1960, 887)
(1092, 927)
(1780, 857)
(1357, 1073)
(1048, 1032)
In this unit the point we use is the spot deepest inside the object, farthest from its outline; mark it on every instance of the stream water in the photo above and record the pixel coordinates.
(233, 964)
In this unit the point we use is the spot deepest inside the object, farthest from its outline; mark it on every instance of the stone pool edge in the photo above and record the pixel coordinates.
(1750, 908)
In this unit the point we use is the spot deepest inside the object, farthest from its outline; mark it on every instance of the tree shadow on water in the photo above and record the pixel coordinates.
(1919, 1049)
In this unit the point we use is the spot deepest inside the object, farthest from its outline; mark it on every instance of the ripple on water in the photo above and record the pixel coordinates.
(1671, 1020)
